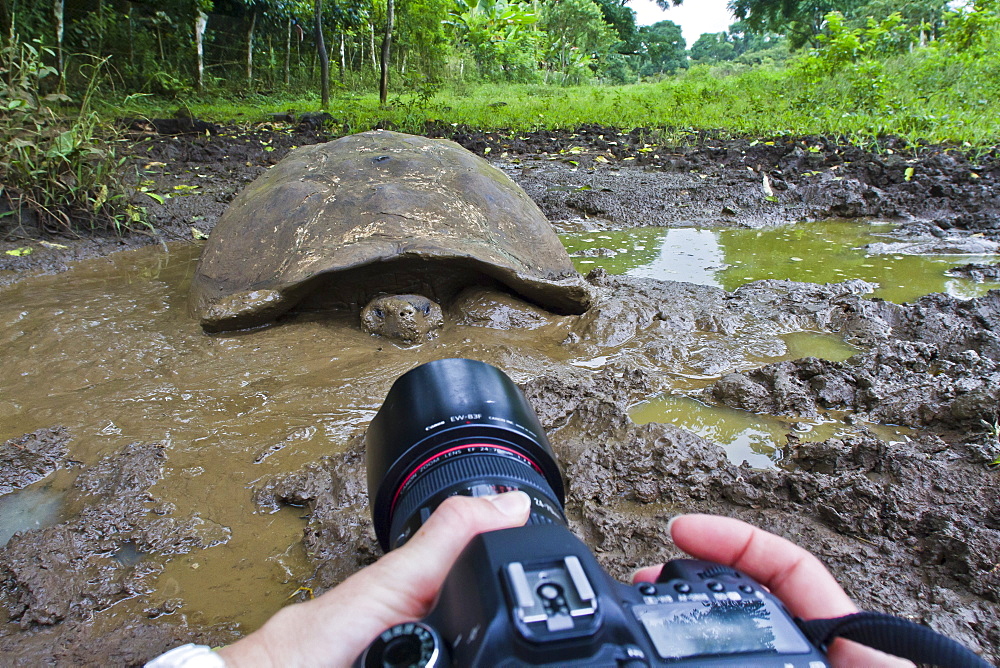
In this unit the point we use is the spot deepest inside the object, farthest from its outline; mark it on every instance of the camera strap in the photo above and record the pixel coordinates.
(894, 635)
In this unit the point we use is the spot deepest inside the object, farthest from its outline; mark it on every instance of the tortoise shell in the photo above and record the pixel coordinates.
(379, 212)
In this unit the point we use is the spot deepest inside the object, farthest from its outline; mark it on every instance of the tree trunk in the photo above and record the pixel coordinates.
(383, 87)
(288, 52)
(131, 41)
(343, 57)
(200, 23)
(6, 20)
(324, 58)
(250, 29)
(100, 22)
(372, 44)
(58, 12)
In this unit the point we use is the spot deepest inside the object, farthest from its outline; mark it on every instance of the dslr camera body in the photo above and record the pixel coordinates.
(535, 595)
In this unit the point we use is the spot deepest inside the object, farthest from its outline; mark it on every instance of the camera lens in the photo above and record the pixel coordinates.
(455, 426)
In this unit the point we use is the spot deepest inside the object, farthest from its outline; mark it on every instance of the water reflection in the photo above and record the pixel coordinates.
(816, 344)
(818, 252)
(757, 439)
(760, 440)
(34, 507)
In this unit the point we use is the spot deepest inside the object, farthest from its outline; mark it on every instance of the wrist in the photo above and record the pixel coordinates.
(272, 645)
(188, 656)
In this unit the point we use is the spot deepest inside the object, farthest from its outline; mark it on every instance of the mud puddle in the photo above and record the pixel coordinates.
(109, 351)
(761, 440)
(826, 251)
(34, 507)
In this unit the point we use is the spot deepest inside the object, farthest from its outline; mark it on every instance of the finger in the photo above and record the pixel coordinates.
(401, 586)
(792, 574)
(647, 574)
(421, 565)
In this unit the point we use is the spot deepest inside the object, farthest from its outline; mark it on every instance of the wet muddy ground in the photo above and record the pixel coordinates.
(165, 486)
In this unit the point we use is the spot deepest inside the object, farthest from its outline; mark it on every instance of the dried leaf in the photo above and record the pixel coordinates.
(766, 185)
(102, 197)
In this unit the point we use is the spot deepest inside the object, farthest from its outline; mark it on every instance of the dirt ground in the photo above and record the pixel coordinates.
(911, 528)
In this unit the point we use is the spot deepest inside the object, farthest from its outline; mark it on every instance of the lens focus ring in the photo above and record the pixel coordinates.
(458, 474)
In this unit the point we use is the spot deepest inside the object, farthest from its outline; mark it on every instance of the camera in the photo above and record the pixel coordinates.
(535, 595)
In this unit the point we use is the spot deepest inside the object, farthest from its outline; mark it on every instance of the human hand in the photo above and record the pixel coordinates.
(335, 628)
(790, 572)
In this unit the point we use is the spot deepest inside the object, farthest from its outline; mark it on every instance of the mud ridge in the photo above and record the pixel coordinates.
(55, 580)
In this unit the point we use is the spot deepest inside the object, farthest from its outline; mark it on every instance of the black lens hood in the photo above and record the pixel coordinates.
(441, 405)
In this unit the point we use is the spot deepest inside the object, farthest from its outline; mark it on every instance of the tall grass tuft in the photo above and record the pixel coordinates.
(63, 172)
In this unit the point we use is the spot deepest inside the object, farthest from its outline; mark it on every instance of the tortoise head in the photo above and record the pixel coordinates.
(404, 318)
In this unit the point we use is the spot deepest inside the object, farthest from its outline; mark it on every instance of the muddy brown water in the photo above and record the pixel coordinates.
(110, 351)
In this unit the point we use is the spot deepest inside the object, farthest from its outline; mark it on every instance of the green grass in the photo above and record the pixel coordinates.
(924, 97)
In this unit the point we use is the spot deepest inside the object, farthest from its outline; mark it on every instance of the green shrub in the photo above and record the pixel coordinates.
(65, 171)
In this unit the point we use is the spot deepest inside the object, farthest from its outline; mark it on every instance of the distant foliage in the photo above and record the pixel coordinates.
(974, 28)
(498, 35)
(663, 48)
(842, 48)
(576, 38)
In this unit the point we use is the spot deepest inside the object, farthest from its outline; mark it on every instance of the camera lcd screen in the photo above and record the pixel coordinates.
(697, 628)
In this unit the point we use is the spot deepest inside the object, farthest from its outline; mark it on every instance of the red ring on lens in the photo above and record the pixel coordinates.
(432, 458)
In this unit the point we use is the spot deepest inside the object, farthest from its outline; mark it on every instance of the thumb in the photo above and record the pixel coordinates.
(424, 562)
(401, 586)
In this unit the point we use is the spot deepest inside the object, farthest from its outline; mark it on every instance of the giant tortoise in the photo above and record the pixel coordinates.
(387, 224)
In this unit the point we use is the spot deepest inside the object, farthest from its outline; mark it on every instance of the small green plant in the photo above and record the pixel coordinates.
(994, 432)
(411, 112)
(65, 171)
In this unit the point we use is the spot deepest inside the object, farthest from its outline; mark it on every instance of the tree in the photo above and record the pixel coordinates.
(576, 34)
(730, 45)
(324, 58)
(800, 20)
(58, 15)
(421, 36)
(712, 47)
(200, 24)
(926, 16)
(383, 87)
(621, 18)
(664, 48)
(500, 36)
(973, 28)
